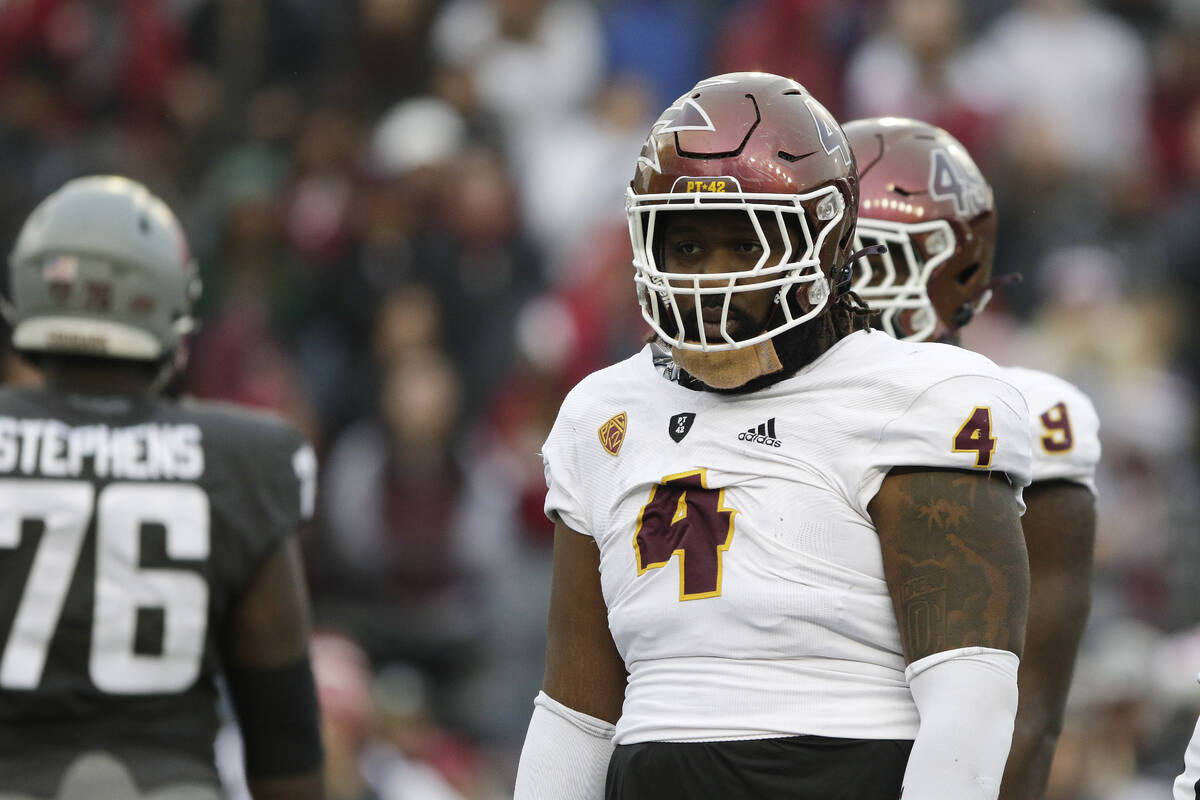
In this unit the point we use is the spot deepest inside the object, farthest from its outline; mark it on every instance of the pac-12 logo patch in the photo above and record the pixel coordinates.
(612, 433)
(680, 424)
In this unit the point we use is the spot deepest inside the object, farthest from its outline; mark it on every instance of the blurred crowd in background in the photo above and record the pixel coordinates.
(409, 221)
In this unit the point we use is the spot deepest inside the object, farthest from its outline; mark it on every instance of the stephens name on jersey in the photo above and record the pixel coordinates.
(51, 449)
(739, 564)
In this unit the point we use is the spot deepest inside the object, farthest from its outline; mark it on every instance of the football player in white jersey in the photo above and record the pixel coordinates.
(924, 200)
(788, 552)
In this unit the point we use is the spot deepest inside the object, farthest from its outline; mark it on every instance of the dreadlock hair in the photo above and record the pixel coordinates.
(849, 313)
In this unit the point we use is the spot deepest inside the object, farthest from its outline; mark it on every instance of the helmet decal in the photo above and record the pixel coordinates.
(951, 177)
(684, 115)
(59, 273)
(828, 131)
(689, 116)
(718, 185)
(649, 152)
(716, 80)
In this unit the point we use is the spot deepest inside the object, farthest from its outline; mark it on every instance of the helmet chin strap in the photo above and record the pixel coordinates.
(842, 275)
(964, 314)
(166, 371)
(173, 362)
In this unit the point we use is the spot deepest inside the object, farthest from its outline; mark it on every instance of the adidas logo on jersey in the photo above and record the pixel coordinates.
(763, 434)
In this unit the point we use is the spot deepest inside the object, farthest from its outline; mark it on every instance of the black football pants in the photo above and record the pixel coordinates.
(792, 768)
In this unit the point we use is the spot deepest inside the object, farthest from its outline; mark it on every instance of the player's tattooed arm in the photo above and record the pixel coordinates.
(954, 559)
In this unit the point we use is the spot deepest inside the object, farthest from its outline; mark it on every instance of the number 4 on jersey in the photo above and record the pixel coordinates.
(975, 436)
(684, 517)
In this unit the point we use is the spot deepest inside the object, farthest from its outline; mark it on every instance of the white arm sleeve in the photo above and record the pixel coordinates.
(967, 699)
(565, 756)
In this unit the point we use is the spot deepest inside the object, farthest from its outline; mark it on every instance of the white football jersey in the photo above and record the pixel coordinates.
(742, 573)
(1064, 425)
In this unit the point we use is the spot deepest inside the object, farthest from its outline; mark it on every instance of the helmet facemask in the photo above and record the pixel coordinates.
(895, 282)
(791, 270)
(928, 203)
(759, 147)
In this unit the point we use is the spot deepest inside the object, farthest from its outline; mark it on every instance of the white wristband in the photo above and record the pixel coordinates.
(565, 756)
(967, 699)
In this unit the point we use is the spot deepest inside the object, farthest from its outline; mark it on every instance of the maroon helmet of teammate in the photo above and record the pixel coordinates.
(760, 144)
(925, 200)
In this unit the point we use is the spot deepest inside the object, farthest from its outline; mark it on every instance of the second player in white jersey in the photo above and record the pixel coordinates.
(740, 565)
(930, 215)
(1064, 427)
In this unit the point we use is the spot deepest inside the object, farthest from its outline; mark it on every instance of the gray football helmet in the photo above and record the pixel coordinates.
(101, 268)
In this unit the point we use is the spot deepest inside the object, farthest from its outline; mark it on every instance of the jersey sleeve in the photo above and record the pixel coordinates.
(265, 488)
(560, 458)
(1066, 433)
(290, 481)
(966, 422)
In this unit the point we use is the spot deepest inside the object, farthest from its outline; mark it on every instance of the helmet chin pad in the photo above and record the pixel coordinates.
(729, 369)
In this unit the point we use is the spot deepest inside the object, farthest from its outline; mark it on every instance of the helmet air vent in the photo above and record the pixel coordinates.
(965, 276)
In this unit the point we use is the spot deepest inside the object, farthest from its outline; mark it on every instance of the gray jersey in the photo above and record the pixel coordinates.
(128, 529)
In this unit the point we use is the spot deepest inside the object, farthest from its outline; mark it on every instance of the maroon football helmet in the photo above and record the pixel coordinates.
(925, 200)
(758, 143)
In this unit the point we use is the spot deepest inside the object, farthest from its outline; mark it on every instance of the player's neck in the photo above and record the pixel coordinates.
(954, 338)
(99, 377)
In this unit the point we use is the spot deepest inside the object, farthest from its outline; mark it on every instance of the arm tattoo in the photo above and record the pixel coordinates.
(955, 561)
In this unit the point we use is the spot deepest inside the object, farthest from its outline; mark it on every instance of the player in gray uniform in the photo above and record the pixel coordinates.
(146, 545)
(925, 201)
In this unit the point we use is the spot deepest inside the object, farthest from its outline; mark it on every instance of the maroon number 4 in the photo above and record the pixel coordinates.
(684, 517)
(975, 436)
